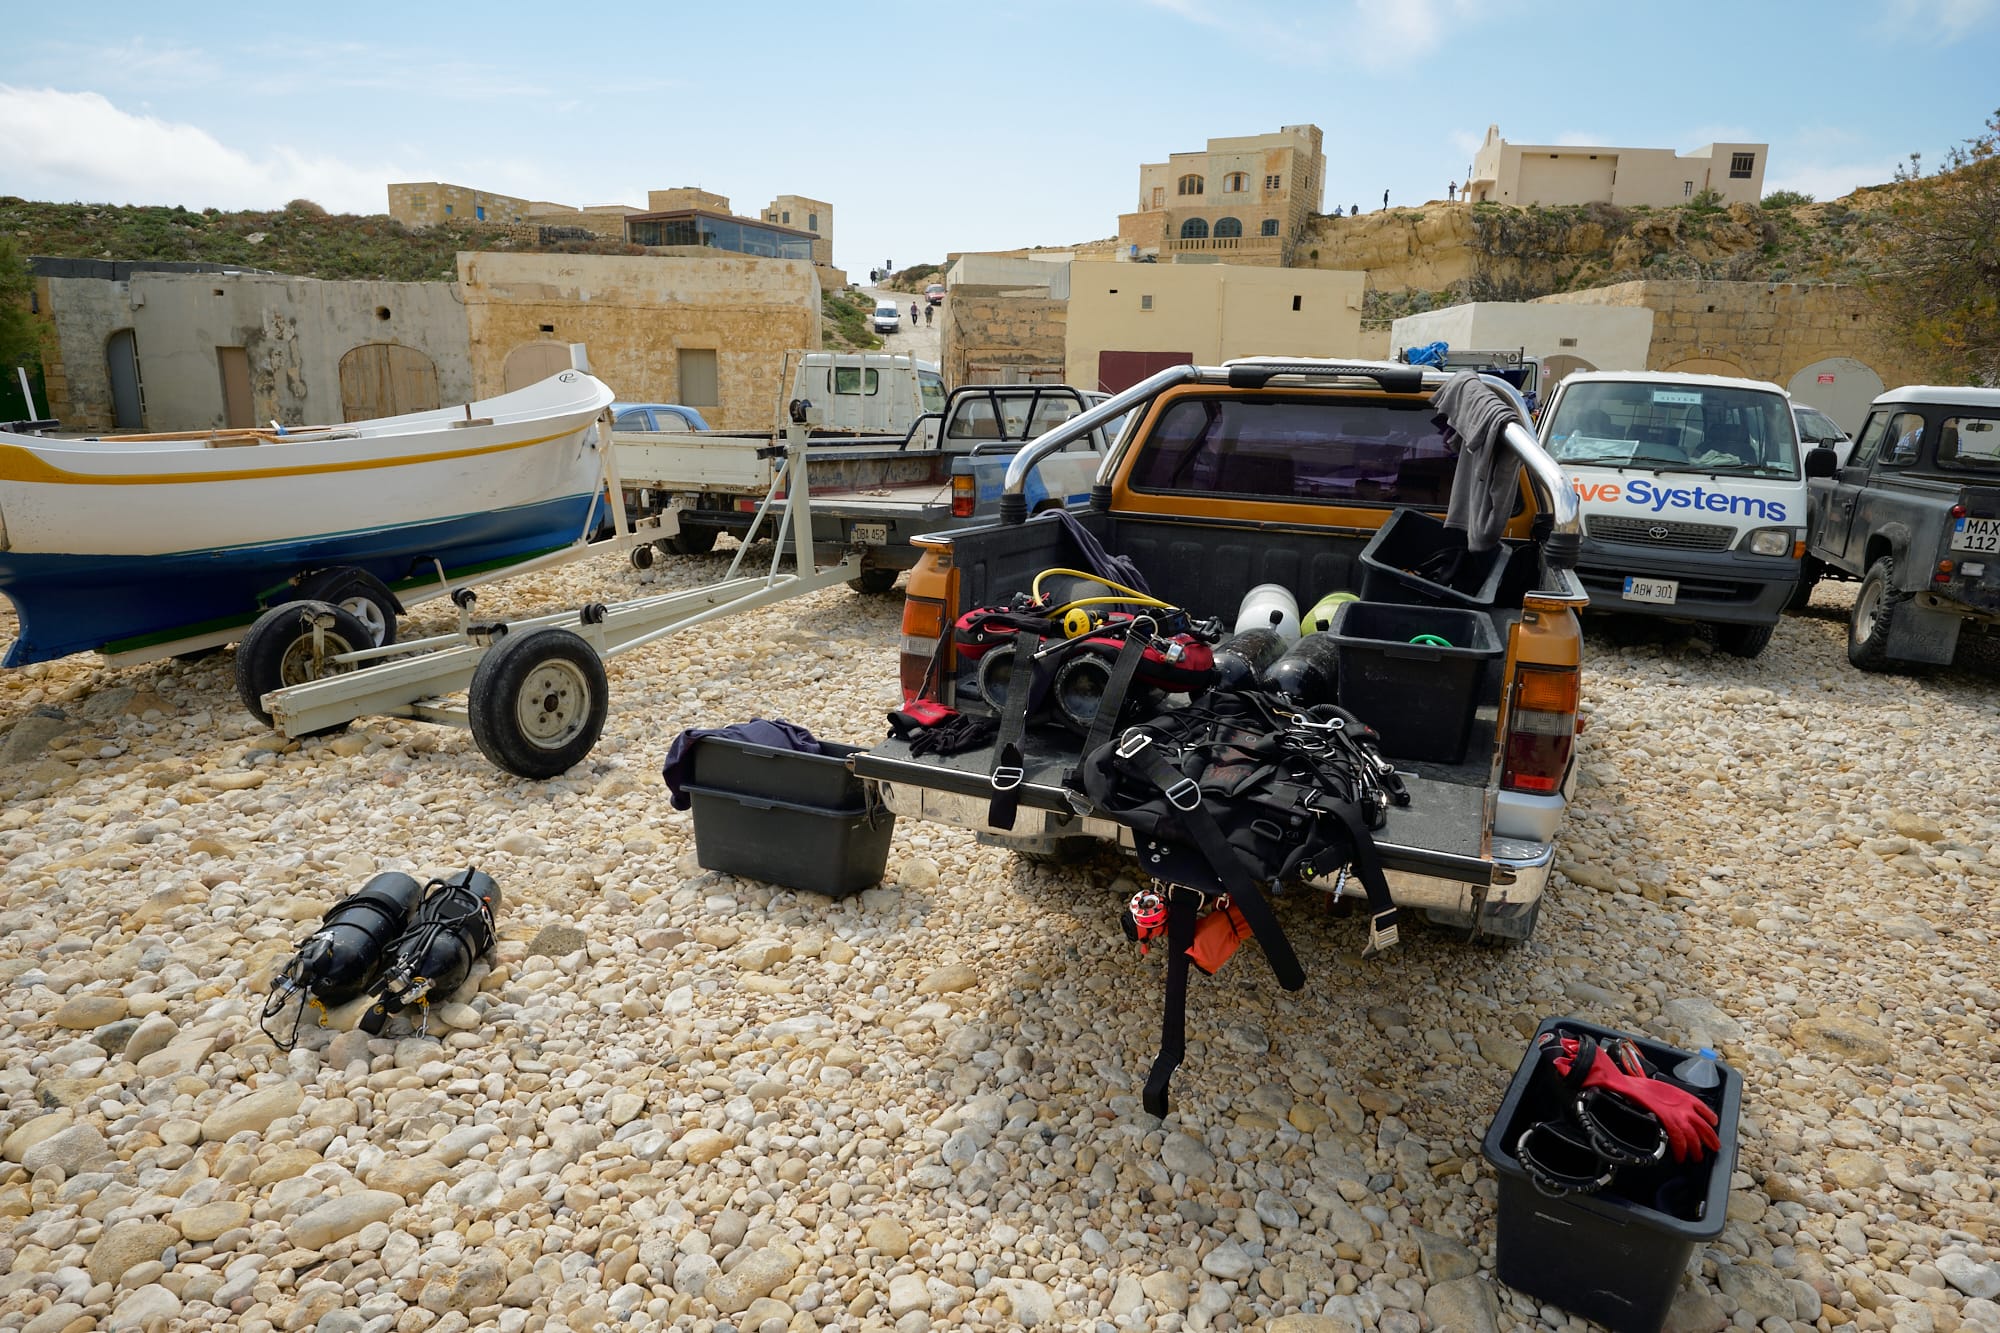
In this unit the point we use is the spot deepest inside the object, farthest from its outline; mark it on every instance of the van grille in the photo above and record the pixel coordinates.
(1659, 532)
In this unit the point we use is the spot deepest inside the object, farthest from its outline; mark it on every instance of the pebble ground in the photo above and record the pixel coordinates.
(677, 1099)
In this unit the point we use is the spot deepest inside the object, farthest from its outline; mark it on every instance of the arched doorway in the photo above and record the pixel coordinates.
(386, 380)
(1709, 365)
(1839, 386)
(121, 365)
(1194, 229)
(1556, 369)
(531, 363)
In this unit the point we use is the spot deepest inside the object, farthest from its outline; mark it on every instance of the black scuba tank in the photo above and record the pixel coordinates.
(341, 960)
(1308, 672)
(1243, 658)
(452, 928)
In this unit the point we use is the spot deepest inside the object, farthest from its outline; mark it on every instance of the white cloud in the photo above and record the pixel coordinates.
(1372, 34)
(1922, 20)
(64, 145)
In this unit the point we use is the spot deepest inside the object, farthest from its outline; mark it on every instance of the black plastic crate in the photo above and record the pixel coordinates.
(1615, 1256)
(835, 852)
(1421, 697)
(1404, 546)
(821, 780)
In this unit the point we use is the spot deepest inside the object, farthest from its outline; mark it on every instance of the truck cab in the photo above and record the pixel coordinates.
(1693, 497)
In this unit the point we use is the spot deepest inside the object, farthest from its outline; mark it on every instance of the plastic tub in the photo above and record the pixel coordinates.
(1394, 564)
(799, 820)
(1421, 697)
(820, 780)
(1615, 1256)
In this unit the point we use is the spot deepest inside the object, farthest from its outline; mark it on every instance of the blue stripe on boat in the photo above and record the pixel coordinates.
(75, 603)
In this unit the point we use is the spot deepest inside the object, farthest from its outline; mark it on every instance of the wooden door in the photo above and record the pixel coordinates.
(531, 363)
(386, 380)
(121, 366)
(237, 412)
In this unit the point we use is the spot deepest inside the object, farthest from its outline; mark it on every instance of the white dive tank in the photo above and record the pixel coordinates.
(1269, 606)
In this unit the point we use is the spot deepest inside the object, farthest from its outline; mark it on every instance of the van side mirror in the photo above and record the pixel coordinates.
(1822, 462)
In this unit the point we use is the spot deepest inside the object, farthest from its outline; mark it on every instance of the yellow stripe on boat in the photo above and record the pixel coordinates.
(18, 464)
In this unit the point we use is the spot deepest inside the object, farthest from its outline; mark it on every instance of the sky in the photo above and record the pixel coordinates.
(935, 127)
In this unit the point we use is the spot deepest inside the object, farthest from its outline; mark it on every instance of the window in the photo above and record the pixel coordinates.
(847, 379)
(1146, 301)
(698, 379)
(1657, 428)
(1228, 227)
(1274, 182)
(1307, 451)
(930, 386)
(1740, 165)
(1297, 301)
(812, 222)
(1970, 443)
(788, 219)
(1899, 443)
(1194, 229)
(1191, 185)
(1235, 183)
(447, 210)
(1159, 196)
(770, 217)
(479, 212)
(1687, 189)
(1269, 227)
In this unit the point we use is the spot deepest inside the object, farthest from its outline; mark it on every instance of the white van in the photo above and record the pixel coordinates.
(888, 316)
(869, 392)
(1694, 501)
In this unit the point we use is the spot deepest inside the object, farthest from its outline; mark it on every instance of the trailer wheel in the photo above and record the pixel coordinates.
(366, 605)
(642, 556)
(538, 702)
(279, 651)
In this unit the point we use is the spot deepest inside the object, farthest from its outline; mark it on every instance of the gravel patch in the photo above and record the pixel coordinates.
(676, 1099)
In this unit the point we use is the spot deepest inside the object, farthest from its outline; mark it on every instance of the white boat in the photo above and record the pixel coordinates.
(130, 543)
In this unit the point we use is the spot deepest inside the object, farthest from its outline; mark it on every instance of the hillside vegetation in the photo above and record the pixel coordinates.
(300, 238)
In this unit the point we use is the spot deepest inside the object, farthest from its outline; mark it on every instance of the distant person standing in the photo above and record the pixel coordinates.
(1451, 193)
(1385, 198)
(1354, 210)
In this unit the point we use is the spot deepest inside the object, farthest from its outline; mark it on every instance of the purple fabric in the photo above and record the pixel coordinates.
(778, 735)
(1117, 568)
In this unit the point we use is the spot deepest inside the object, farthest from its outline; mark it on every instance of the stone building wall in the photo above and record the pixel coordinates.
(1001, 335)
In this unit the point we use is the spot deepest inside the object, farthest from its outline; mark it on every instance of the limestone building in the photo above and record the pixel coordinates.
(1511, 173)
(1241, 200)
(813, 215)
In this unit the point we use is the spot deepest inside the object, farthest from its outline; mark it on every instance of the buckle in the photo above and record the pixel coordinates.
(1008, 776)
(1380, 937)
(1132, 743)
(1189, 788)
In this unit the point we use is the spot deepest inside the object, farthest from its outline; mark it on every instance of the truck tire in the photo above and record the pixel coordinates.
(1809, 576)
(874, 582)
(1868, 624)
(692, 541)
(1743, 640)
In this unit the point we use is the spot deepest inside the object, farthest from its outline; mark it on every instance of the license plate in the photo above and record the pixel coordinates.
(1663, 591)
(871, 534)
(1976, 534)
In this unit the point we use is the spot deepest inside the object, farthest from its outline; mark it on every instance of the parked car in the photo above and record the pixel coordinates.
(888, 315)
(668, 418)
(1817, 430)
(1915, 515)
(935, 293)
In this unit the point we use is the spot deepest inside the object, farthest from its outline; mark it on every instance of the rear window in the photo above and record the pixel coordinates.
(1970, 444)
(1312, 450)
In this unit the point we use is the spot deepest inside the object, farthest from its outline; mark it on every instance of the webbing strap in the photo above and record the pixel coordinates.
(1113, 703)
(1027, 682)
(1368, 869)
(1173, 1019)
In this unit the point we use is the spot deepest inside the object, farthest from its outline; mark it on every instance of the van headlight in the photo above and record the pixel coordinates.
(1770, 541)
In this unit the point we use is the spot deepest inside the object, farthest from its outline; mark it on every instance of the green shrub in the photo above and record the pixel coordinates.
(1786, 198)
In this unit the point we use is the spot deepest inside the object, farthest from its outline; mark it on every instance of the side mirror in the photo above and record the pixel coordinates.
(1822, 462)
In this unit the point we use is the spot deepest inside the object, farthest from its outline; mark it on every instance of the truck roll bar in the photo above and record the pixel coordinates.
(1013, 494)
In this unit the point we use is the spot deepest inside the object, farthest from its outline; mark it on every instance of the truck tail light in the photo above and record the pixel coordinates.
(1958, 511)
(963, 495)
(923, 629)
(1943, 575)
(1541, 730)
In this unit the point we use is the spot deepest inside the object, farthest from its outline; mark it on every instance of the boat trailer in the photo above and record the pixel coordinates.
(537, 691)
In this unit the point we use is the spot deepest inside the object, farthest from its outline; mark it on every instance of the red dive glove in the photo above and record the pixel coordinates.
(1689, 1123)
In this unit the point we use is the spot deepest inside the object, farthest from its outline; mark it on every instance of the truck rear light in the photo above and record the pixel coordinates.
(1958, 511)
(923, 635)
(963, 495)
(1541, 730)
(1943, 575)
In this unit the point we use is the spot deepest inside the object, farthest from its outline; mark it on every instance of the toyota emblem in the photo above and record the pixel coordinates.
(1659, 532)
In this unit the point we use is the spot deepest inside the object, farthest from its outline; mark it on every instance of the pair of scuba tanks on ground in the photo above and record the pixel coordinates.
(1182, 654)
(405, 943)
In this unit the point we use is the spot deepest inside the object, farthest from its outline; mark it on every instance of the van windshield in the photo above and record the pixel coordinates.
(1675, 428)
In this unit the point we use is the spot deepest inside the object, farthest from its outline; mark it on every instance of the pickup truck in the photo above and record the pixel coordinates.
(1279, 471)
(1915, 515)
(873, 491)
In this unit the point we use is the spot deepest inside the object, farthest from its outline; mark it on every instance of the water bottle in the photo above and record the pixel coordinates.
(1699, 1071)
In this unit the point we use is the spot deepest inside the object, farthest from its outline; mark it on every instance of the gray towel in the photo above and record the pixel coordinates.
(1488, 479)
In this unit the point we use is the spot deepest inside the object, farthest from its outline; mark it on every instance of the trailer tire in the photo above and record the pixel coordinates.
(874, 582)
(278, 652)
(642, 556)
(538, 701)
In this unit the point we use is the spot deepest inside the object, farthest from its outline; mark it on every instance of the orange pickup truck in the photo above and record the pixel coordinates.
(1281, 471)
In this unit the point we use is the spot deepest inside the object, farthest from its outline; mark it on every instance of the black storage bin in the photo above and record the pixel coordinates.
(1412, 537)
(1421, 697)
(1615, 1256)
(799, 820)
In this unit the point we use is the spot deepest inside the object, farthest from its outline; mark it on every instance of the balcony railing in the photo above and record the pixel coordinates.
(1250, 244)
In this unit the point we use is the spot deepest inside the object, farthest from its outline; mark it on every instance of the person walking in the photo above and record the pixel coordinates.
(929, 310)
(913, 314)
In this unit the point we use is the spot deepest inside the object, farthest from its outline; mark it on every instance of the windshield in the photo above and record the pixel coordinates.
(1675, 428)
(931, 385)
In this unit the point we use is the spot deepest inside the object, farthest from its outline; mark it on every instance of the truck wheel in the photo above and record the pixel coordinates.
(692, 541)
(1868, 625)
(874, 582)
(1743, 640)
(1809, 574)
(537, 702)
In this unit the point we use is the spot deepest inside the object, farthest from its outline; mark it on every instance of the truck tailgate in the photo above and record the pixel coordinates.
(1442, 832)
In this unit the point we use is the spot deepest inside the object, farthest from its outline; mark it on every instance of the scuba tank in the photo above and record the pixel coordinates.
(433, 958)
(1309, 672)
(1243, 658)
(1269, 604)
(339, 961)
(1320, 618)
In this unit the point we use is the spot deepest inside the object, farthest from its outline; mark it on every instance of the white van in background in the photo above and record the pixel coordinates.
(1694, 499)
(872, 393)
(888, 315)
